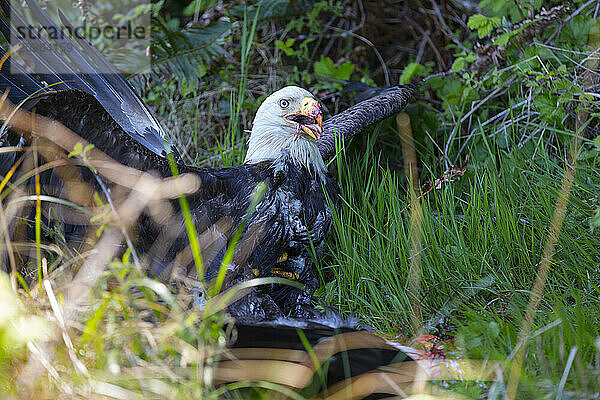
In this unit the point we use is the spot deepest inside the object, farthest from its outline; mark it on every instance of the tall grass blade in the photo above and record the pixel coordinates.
(189, 225)
(38, 223)
(258, 194)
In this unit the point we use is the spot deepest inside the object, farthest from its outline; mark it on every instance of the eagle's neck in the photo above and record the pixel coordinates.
(278, 147)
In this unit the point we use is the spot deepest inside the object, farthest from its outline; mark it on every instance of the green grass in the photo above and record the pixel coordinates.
(483, 237)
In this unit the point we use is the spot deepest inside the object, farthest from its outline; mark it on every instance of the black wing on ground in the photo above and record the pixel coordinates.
(61, 63)
(346, 357)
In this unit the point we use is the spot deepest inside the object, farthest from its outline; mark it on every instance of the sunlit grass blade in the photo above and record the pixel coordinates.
(38, 225)
(189, 225)
(257, 196)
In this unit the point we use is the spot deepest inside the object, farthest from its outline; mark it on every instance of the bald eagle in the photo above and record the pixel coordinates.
(292, 214)
(285, 157)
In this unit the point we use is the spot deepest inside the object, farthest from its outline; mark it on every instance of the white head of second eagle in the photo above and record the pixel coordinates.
(287, 124)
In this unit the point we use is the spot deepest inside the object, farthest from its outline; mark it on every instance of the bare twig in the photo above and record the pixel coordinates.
(386, 72)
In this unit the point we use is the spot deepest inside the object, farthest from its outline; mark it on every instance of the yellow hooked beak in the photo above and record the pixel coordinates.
(309, 118)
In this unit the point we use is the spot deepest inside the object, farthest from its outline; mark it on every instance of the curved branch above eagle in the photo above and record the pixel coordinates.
(287, 150)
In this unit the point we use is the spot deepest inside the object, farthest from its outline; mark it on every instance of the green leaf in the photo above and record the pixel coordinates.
(503, 39)
(91, 327)
(286, 47)
(126, 256)
(549, 107)
(484, 31)
(77, 150)
(458, 64)
(172, 45)
(88, 147)
(545, 104)
(484, 25)
(326, 68)
(412, 69)
(477, 21)
(345, 70)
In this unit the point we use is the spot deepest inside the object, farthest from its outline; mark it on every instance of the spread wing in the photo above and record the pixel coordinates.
(73, 64)
(343, 126)
(218, 206)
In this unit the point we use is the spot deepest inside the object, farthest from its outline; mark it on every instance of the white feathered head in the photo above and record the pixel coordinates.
(288, 122)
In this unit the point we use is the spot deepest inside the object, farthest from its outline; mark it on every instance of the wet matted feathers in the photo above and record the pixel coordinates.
(293, 213)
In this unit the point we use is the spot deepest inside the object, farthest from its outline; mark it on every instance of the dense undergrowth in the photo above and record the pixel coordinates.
(516, 104)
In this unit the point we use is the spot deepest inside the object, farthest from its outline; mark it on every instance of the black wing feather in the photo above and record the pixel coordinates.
(49, 61)
(86, 69)
(20, 85)
(131, 105)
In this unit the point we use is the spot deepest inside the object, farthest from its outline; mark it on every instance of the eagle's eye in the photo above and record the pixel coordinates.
(284, 103)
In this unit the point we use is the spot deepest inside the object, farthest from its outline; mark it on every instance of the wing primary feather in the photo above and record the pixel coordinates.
(20, 85)
(77, 58)
(131, 103)
(86, 69)
(50, 61)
